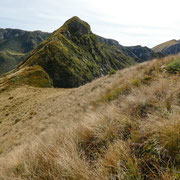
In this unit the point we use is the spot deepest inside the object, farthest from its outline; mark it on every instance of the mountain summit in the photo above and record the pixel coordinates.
(73, 55)
(75, 27)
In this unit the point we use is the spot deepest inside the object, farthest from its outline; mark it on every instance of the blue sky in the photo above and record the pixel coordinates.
(131, 22)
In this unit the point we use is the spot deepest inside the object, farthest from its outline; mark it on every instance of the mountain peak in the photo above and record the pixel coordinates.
(74, 18)
(76, 27)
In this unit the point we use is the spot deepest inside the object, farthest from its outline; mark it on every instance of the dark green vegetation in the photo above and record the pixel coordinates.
(174, 66)
(33, 76)
(169, 47)
(73, 55)
(15, 45)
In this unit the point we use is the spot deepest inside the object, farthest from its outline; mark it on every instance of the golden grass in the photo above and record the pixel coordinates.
(164, 45)
(131, 133)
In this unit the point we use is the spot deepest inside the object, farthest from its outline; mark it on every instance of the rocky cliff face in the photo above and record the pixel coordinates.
(73, 55)
(138, 53)
(144, 53)
(116, 44)
(15, 44)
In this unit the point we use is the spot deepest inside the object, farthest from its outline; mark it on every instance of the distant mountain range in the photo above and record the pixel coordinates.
(138, 53)
(15, 44)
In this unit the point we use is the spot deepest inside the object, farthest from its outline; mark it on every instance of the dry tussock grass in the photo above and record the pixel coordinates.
(132, 133)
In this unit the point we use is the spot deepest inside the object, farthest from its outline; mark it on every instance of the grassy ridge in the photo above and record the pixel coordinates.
(163, 46)
(131, 131)
(33, 76)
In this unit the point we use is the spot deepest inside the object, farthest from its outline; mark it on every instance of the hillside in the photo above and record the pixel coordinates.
(15, 44)
(138, 53)
(162, 46)
(121, 126)
(73, 56)
(9, 59)
(171, 47)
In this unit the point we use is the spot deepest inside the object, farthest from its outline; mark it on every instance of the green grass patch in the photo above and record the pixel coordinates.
(174, 66)
(33, 76)
(114, 93)
(112, 71)
(136, 82)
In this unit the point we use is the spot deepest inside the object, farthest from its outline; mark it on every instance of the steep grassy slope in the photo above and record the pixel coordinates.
(73, 55)
(169, 47)
(15, 44)
(121, 126)
(162, 46)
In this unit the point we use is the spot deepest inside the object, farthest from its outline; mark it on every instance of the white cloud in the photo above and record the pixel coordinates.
(130, 22)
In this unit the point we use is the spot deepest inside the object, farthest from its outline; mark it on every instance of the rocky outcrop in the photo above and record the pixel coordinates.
(73, 55)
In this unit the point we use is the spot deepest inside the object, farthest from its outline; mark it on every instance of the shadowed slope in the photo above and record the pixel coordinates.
(162, 46)
(168, 48)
